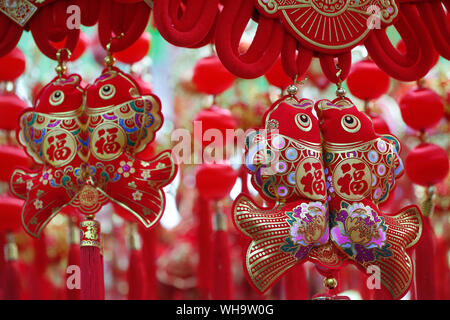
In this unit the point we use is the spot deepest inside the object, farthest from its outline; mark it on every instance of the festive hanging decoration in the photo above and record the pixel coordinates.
(305, 223)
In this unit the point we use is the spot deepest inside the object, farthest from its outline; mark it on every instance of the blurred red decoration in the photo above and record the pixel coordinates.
(12, 158)
(211, 77)
(215, 181)
(10, 108)
(12, 65)
(215, 117)
(427, 164)
(10, 218)
(80, 48)
(276, 75)
(380, 126)
(367, 81)
(136, 52)
(421, 108)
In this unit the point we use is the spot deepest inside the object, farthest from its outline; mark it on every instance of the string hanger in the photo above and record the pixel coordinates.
(109, 59)
(61, 67)
(340, 91)
(292, 89)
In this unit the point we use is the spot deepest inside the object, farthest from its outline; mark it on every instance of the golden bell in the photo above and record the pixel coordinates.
(330, 283)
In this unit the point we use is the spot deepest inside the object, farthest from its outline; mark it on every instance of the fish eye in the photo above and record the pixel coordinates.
(56, 98)
(350, 123)
(107, 91)
(303, 121)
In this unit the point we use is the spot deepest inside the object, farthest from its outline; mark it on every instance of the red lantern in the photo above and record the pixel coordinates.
(276, 75)
(10, 217)
(214, 117)
(421, 108)
(12, 65)
(367, 81)
(10, 108)
(215, 181)
(427, 164)
(211, 77)
(136, 52)
(12, 158)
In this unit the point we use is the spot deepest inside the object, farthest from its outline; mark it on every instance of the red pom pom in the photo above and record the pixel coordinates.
(11, 106)
(427, 164)
(215, 181)
(136, 52)
(12, 65)
(214, 117)
(276, 75)
(211, 77)
(421, 108)
(367, 81)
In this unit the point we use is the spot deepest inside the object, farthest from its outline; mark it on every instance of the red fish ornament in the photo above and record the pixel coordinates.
(51, 133)
(121, 122)
(287, 169)
(361, 169)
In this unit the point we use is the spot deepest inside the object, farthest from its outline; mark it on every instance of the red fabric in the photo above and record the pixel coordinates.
(73, 260)
(149, 254)
(276, 76)
(91, 267)
(79, 49)
(11, 286)
(367, 81)
(52, 18)
(295, 59)
(421, 108)
(264, 49)
(427, 164)
(211, 77)
(329, 66)
(185, 24)
(442, 270)
(202, 209)
(134, 17)
(222, 288)
(425, 253)
(419, 55)
(10, 34)
(296, 283)
(137, 281)
(12, 65)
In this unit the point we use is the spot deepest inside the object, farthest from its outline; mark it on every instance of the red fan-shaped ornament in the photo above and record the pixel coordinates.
(211, 77)
(367, 81)
(427, 164)
(421, 108)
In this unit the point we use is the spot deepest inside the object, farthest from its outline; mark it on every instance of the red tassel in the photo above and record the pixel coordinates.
(442, 270)
(149, 241)
(425, 252)
(73, 260)
(295, 284)
(222, 273)
(137, 282)
(11, 275)
(204, 232)
(91, 262)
